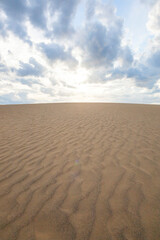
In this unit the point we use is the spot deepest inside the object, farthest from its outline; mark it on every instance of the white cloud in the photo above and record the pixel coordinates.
(154, 19)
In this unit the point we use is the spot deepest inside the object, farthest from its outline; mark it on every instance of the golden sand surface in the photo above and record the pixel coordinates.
(83, 171)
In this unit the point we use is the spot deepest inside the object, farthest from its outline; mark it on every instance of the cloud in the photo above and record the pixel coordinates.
(14, 9)
(67, 60)
(154, 60)
(37, 13)
(101, 45)
(90, 8)
(2, 27)
(143, 74)
(150, 2)
(3, 68)
(28, 81)
(10, 98)
(147, 71)
(33, 68)
(54, 17)
(126, 56)
(54, 52)
(154, 19)
(64, 12)
(15, 12)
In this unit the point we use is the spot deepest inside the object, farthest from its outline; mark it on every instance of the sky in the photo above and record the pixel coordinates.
(79, 51)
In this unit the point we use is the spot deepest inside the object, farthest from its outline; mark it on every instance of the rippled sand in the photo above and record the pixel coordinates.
(80, 171)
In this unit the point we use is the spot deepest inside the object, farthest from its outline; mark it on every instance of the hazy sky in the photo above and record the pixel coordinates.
(79, 50)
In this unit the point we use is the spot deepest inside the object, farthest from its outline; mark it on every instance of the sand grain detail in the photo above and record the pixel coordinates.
(80, 172)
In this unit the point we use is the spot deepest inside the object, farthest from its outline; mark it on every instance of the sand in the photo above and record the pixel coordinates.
(80, 171)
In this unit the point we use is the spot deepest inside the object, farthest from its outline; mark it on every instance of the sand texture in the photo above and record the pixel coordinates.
(80, 171)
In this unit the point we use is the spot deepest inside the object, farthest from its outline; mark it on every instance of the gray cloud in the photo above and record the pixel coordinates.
(55, 52)
(101, 46)
(37, 13)
(18, 29)
(126, 56)
(146, 72)
(3, 68)
(101, 42)
(19, 11)
(14, 9)
(65, 11)
(28, 81)
(33, 68)
(90, 8)
(16, 13)
(143, 74)
(154, 59)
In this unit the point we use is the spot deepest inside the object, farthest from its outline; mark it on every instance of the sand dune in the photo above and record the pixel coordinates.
(80, 171)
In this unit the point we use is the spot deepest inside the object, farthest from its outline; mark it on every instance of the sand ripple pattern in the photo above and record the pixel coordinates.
(80, 172)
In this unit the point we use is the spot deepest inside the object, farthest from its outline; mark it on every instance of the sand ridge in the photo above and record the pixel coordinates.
(83, 171)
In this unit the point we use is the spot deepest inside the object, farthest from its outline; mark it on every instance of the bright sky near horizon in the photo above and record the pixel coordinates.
(79, 51)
